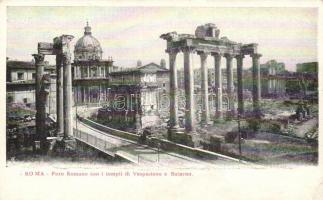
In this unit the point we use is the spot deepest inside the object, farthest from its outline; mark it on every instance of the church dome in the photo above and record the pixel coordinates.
(87, 47)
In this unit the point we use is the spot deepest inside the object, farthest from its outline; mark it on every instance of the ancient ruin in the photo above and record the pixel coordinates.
(206, 42)
(61, 49)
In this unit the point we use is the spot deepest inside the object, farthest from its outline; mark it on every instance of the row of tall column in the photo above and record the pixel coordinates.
(190, 121)
(60, 48)
(100, 72)
(276, 86)
(91, 93)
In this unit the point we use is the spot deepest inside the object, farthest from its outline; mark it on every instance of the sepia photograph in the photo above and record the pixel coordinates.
(156, 91)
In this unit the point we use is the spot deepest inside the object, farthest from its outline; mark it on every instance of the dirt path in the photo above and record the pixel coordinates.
(303, 128)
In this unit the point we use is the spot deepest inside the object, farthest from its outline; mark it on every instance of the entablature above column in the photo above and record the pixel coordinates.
(62, 44)
(194, 46)
(209, 44)
(46, 48)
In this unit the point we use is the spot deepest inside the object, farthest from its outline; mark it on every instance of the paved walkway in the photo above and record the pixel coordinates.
(141, 154)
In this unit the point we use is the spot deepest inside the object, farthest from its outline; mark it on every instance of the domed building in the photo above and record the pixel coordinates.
(90, 71)
(87, 47)
(97, 82)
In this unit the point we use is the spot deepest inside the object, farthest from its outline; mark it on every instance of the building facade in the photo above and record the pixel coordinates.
(90, 71)
(273, 82)
(20, 84)
(124, 93)
(137, 91)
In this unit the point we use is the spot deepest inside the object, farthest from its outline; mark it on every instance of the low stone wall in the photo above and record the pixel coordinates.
(115, 132)
(186, 150)
(162, 143)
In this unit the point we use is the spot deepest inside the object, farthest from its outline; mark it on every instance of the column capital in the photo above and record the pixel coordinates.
(188, 49)
(203, 54)
(255, 55)
(62, 44)
(217, 54)
(39, 58)
(172, 51)
(67, 59)
(229, 56)
(239, 56)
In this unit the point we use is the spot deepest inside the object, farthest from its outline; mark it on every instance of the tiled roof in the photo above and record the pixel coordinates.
(13, 64)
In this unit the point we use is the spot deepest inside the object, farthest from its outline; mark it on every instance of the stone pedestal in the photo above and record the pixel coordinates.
(191, 139)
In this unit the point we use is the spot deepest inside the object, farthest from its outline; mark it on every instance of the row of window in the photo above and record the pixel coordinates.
(21, 76)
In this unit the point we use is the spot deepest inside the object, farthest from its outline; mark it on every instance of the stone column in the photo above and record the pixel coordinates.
(79, 71)
(88, 71)
(99, 93)
(40, 100)
(84, 95)
(218, 85)
(204, 88)
(67, 85)
(173, 111)
(275, 85)
(240, 83)
(230, 86)
(256, 93)
(59, 96)
(75, 72)
(270, 85)
(189, 91)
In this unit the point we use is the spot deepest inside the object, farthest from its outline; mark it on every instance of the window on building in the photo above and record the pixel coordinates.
(33, 76)
(20, 76)
(164, 84)
(25, 100)
(94, 72)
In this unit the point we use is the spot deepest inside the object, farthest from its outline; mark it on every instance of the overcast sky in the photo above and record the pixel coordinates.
(129, 34)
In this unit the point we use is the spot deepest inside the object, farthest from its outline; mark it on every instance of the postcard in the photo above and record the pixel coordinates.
(165, 101)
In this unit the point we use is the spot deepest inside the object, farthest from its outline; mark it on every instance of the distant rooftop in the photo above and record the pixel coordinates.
(16, 64)
(149, 68)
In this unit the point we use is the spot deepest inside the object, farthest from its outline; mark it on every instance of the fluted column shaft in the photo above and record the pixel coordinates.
(256, 93)
(67, 86)
(240, 84)
(204, 88)
(59, 96)
(189, 91)
(173, 90)
(40, 99)
(218, 85)
(230, 86)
